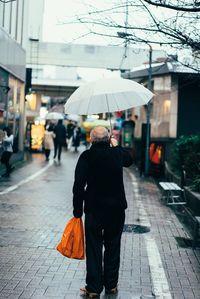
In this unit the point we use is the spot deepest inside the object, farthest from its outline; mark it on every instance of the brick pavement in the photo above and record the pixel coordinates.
(33, 216)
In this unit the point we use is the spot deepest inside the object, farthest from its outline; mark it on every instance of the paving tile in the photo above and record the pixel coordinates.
(32, 220)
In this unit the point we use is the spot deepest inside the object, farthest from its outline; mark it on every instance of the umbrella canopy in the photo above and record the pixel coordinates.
(54, 116)
(107, 95)
(73, 117)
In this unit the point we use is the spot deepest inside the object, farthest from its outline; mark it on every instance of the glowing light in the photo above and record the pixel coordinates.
(37, 122)
(167, 105)
(93, 116)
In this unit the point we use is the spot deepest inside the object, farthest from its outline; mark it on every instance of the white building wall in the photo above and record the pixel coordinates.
(33, 21)
(6, 19)
(1, 13)
(12, 56)
(11, 18)
(19, 21)
(22, 19)
(36, 13)
(14, 20)
(13, 61)
(165, 109)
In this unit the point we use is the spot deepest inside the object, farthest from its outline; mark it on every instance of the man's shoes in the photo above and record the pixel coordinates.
(111, 291)
(5, 175)
(11, 168)
(89, 294)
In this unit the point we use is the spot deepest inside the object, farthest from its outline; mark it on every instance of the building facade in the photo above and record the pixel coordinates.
(174, 110)
(20, 20)
(12, 68)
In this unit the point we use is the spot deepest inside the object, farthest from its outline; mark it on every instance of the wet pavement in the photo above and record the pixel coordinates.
(36, 203)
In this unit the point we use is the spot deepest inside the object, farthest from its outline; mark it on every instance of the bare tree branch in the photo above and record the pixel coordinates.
(178, 29)
(194, 8)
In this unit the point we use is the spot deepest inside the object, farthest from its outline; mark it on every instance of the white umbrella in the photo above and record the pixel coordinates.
(107, 95)
(73, 117)
(54, 116)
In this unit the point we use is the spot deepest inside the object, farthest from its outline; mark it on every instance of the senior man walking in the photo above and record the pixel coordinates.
(99, 186)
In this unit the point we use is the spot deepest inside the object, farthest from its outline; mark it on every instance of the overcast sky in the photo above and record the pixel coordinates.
(59, 11)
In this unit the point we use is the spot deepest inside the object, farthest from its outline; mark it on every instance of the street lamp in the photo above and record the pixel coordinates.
(146, 171)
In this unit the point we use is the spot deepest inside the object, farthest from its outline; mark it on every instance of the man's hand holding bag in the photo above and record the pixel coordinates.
(72, 242)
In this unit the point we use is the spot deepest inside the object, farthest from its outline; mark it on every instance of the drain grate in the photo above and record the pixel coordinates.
(136, 229)
(184, 242)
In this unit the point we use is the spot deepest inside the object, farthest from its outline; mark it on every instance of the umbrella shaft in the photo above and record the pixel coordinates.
(109, 114)
(110, 123)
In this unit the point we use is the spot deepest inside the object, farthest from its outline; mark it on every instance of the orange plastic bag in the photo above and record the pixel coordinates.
(72, 242)
(156, 156)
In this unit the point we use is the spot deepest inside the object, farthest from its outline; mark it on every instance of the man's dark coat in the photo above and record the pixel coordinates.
(99, 179)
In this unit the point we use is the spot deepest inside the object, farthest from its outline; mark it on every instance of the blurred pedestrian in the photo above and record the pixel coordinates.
(70, 130)
(48, 140)
(99, 184)
(84, 138)
(60, 139)
(76, 137)
(7, 150)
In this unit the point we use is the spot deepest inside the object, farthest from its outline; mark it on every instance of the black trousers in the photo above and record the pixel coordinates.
(57, 148)
(5, 158)
(47, 153)
(103, 230)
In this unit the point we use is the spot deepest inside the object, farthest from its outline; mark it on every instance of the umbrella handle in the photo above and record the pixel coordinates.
(109, 116)
(110, 124)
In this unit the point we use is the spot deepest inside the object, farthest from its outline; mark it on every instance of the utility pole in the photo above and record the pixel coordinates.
(148, 114)
(146, 166)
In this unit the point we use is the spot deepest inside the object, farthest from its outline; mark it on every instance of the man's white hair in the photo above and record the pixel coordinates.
(99, 134)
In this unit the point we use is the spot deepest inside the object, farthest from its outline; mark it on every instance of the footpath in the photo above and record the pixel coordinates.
(35, 204)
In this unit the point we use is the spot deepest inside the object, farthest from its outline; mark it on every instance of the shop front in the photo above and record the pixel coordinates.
(156, 158)
(34, 136)
(4, 89)
(15, 98)
(12, 78)
(11, 97)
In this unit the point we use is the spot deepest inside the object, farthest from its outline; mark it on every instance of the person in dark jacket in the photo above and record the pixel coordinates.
(76, 139)
(60, 139)
(7, 150)
(99, 185)
(70, 130)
